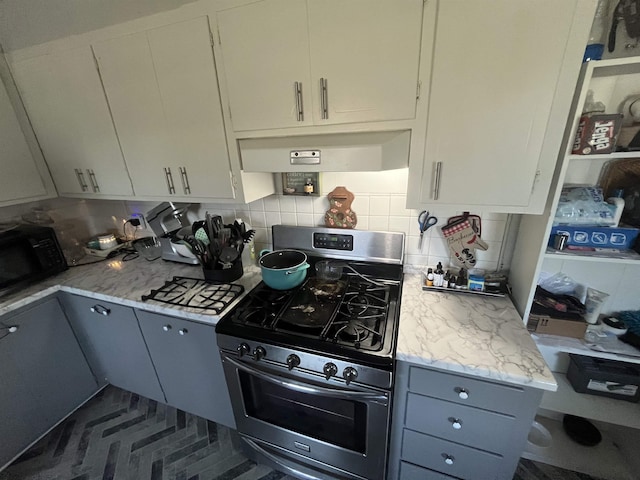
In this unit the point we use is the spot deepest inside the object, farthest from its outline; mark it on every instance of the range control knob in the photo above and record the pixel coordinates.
(243, 349)
(329, 370)
(349, 374)
(293, 361)
(259, 353)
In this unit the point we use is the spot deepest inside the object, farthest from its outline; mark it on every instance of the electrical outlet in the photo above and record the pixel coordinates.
(140, 218)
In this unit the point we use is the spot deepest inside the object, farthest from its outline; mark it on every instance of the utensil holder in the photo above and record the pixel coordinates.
(225, 275)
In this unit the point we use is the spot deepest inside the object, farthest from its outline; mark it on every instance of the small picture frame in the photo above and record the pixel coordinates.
(301, 183)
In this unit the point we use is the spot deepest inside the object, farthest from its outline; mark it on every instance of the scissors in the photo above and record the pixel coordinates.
(426, 221)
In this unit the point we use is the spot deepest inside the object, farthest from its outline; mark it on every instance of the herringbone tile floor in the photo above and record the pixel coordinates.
(119, 435)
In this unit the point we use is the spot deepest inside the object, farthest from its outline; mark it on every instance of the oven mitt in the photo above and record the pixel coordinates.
(463, 241)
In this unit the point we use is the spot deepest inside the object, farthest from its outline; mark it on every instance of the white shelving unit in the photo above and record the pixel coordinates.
(612, 81)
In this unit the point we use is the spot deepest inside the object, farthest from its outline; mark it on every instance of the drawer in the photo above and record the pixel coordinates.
(448, 457)
(459, 423)
(468, 391)
(413, 472)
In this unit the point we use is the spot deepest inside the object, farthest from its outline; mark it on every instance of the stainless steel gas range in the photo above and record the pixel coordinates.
(310, 370)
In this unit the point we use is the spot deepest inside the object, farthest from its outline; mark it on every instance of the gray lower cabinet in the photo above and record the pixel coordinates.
(111, 339)
(43, 375)
(454, 426)
(187, 360)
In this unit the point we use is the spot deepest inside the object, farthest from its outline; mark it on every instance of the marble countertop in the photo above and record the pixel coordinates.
(474, 335)
(125, 283)
(471, 334)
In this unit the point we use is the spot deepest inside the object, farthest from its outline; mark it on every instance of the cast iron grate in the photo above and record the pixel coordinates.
(196, 293)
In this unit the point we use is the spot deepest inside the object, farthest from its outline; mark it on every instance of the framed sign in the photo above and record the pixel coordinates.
(301, 183)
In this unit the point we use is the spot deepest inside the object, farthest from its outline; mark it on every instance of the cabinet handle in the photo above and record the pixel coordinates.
(324, 98)
(170, 186)
(183, 331)
(80, 177)
(462, 393)
(185, 181)
(456, 423)
(299, 106)
(10, 328)
(436, 187)
(100, 310)
(94, 182)
(166, 328)
(448, 459)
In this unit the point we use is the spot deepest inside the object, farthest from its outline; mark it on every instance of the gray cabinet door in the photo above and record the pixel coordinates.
(112, 341)
(43, 375)
(186, 357)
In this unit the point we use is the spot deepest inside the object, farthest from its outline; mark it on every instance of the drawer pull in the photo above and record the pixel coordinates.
(166, 328)
(448, 459)
(100, 309)
(456, 423)
(183, 331)
(462, 393)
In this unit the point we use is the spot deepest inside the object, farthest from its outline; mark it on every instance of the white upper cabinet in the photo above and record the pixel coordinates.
(291, 63)
(502, 78)
(163, 93)
(65, 102)
(20, 179)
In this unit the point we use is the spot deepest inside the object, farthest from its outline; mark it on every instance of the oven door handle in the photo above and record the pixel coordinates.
(299, 387)
(276, 460)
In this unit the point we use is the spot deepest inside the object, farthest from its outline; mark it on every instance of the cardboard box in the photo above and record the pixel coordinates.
(597, 134)
(597, 237)
(556, 326)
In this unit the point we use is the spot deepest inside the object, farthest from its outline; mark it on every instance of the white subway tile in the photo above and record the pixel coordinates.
(361, 205)
(491, 254)
(304, 205)
(319, 219)
(258, 219)
(271, 203)
(363, 222)
(493, 230)
(445, 261)
(412, 245)
(320, 204)
(257, 206)
(398, 205)
(398, 224)
(379, 205)
(417, 260)
(244, 214)
(438, 248)
(262, 235)
(487, 266)
(377, 222)
(305, 219)
(287, 204)
(288, 218)
(273, 218)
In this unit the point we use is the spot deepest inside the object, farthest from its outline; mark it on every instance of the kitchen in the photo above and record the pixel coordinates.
(381, 197)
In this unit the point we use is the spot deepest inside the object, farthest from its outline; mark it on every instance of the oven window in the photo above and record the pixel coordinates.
(336, 421)
(16, 263)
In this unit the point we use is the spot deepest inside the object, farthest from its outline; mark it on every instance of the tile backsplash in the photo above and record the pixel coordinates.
(379, 204)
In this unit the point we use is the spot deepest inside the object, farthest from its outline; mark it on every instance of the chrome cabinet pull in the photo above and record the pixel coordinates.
(166, 328)
(100, 310)
(456, 423)
(183, 331)
(448, 459)
(299, 106)
(324, 98)
(94, 182)
(170, 186)
(10, 328)
(463, 393)
(185, 181)
(80, 177)
(436, 188)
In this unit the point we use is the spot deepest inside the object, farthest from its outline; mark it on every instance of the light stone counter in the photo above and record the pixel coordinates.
(125, 283)
(476, 335)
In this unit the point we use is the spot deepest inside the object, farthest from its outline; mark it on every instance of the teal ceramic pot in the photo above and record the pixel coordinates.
(283, 269)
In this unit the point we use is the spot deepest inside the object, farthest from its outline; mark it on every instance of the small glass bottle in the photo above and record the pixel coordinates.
(430, 277)
(308, 187)
(438, 276)
(446, 279)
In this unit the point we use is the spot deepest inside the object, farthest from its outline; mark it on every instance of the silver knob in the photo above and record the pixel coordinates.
(166, 328)
(100, 309)
(463, 394)
(293, 361)
(448, 459)
(11, 328)
(259, 353)
(329, 370)
(456, 424)
(349, 374)
(243, 349)
(183, 331)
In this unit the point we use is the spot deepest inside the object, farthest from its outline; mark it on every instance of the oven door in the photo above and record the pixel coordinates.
(344, 429)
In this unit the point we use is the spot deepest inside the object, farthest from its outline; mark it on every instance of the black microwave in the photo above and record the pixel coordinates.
(29, 253)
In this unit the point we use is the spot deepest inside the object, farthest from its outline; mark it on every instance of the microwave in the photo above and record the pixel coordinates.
(29, 253)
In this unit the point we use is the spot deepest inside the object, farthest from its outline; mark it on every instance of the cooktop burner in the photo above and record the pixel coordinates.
(196, 293)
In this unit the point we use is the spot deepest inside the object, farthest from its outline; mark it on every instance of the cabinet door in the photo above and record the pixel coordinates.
(43, 373)
(265, 51)
(196, 382)
(65, 102)
(368, 53)
(20, 177)
(162, 89)
(495, 67)
(112, 341)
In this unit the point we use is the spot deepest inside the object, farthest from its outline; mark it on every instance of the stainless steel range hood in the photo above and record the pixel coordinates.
(341, 152)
